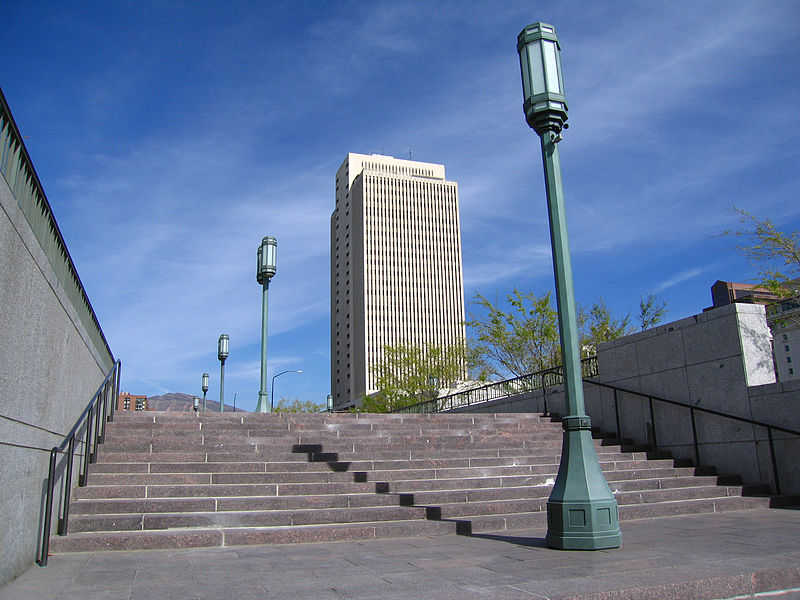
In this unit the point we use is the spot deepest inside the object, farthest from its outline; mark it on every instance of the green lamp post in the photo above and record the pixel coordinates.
(222, 354)
(205, 389)
(581, 511)
(267, 254)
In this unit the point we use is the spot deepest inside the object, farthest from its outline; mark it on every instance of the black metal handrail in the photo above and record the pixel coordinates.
(553, 376)
(539, 380)
(692, 410)
(92, 423)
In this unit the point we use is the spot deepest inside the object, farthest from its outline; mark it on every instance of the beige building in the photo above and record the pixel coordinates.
(396, 273)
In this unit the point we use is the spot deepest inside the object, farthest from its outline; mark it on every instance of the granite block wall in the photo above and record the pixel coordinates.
(49, 371)
(712, 360)
(719, 360)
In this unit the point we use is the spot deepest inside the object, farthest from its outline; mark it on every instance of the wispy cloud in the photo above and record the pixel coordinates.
(679, 277)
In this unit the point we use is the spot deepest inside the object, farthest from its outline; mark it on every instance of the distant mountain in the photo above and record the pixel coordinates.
(177, 402)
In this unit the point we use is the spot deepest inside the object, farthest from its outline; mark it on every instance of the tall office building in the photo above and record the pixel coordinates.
(396, 274)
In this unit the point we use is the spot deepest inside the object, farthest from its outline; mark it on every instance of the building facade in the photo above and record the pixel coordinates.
(127, 401)
(784, 321)
(727, 292)
(783, 317)
(396, 271)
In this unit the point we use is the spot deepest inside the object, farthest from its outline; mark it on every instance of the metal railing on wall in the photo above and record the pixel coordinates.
(693, 411)
(83, 440)
(17, 169)
(501, 389)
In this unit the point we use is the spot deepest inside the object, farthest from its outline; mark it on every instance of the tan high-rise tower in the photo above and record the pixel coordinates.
(396, 274)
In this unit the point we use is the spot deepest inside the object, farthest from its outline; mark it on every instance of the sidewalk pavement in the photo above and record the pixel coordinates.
(742, 554)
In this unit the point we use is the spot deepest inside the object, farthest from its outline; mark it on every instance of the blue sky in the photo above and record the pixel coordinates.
(172, 136)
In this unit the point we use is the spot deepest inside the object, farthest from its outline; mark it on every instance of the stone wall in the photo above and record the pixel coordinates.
(709, 361)
(49, 370)
(719, 360)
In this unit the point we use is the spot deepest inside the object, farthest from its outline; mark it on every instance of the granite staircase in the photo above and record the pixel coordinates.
(180, 480)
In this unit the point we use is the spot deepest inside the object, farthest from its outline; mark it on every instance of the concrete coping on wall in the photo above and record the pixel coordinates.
(704, 317)
(781, 387)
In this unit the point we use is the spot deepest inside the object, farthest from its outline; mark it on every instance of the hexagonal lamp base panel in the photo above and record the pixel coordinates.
(590, 525)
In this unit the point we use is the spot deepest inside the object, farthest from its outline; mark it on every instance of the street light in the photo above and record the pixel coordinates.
(222, 354)
(581, 511)
(330, 403)
(196, 403)
(272, 391)
(265, 269)
(205, 389)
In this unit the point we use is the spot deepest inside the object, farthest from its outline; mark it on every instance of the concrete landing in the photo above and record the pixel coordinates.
(744, 554)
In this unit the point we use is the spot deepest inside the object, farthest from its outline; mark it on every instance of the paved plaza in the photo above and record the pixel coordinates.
(726, 555)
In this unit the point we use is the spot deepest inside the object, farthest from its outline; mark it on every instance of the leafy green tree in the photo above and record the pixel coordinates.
(651, 311)
(601, 327)
(775, 252)
(296, 405)
(411, 373)
(518, 336)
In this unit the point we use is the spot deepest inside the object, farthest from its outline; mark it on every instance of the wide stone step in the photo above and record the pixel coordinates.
(258, 518)
(331, 473)
(315, 452)
(242, 536)
(354, 465)
(311, 445)
(361, 429)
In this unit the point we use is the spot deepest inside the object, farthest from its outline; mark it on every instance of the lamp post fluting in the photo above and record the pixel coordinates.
(272, 392)
(267, 254)
(581, 511)
(222, 354)
(205, 389)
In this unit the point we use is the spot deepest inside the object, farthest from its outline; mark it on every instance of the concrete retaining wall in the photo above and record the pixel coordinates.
(49, 370)
(709, 361)
(719, 360)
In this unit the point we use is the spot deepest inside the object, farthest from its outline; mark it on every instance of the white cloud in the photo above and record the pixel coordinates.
(679, 277)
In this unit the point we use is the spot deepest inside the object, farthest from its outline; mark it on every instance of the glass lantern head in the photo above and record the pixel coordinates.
(544, 102)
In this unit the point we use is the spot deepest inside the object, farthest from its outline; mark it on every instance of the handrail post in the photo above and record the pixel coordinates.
(48, 508)
(546, 412)
(63, 520)
(774, 461)
(87, 449)
(694, 435)
(106, 393)
(97, 413)
(117, 376)
(653, 423)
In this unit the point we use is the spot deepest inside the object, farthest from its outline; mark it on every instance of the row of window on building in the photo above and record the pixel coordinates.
(127, 401)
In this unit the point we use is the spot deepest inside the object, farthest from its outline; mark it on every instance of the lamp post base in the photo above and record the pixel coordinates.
(581, 511)
(263, 403)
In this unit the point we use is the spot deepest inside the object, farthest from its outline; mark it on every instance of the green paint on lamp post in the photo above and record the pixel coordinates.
(204, 385)
(267, 255)
(222, 354)
(581, 511)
